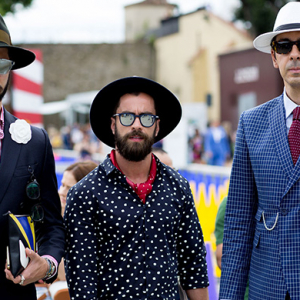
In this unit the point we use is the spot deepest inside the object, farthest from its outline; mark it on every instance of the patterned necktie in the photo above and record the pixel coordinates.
(1, 130)
(294, 135)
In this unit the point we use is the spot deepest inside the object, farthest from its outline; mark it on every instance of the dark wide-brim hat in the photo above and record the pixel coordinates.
(20, 56)
(167, 106)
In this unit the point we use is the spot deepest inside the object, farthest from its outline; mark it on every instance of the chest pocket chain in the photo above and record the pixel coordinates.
(269, 229)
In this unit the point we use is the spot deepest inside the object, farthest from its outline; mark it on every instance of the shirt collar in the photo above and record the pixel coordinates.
(142, 189)
(152, 173)
(289, 105)
(108, 165)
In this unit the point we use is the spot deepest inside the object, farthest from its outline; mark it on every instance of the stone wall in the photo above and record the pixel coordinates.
(75, 68)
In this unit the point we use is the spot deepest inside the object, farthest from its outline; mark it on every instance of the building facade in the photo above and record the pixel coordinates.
(77, 68)
(248, 79)
(144, 16)
(187, 50)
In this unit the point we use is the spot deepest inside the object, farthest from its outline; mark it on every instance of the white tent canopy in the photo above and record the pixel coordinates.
(78, 102)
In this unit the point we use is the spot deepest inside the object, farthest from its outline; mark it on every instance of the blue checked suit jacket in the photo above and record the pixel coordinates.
(264, 192)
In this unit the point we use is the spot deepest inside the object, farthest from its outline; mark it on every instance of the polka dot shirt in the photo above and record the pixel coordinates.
(119, 248)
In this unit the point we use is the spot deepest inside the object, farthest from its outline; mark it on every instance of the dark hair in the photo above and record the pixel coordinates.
(81, 168)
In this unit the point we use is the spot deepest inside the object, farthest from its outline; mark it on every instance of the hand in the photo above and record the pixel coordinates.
(36, 269)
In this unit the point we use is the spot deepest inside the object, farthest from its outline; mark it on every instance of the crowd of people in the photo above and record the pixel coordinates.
(214, 146)
(78, 137)
(128, 227)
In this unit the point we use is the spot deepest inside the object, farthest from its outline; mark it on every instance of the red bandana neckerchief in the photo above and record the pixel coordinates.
(142, 189)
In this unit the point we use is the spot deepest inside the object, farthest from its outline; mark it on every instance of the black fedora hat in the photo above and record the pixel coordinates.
(20, 56)
(167, 106)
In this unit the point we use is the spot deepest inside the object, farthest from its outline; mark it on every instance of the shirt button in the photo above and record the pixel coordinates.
(284, 211)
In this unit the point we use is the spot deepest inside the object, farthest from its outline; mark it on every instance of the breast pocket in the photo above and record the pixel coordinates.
(259, 227)
(24, 171)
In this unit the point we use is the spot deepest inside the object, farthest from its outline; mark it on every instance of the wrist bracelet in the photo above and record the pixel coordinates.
(51, 268)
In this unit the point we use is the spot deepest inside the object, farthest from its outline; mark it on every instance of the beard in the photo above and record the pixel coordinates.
(134, 151)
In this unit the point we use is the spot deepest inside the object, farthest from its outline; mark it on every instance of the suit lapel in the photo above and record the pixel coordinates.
(278, 127)
(9, 155)
(295, 175)
(279, 133)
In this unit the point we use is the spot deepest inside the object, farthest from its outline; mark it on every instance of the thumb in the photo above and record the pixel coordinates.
(31, 254)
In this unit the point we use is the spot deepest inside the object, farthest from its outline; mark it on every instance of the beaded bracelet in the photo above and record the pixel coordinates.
(51, 268)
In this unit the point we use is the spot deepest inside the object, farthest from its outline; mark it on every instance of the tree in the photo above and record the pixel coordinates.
(258, 15)
(11, 5)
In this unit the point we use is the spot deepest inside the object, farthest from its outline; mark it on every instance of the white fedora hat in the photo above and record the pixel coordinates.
(287, 20)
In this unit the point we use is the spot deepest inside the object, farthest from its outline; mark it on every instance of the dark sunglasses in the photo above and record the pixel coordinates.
(5, 66)
(127, 119)
(284, 47)
(33, 192)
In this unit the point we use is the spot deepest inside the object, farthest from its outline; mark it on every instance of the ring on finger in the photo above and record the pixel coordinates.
(22, 279)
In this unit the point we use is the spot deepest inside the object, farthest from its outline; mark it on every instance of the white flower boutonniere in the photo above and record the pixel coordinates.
(20, 131)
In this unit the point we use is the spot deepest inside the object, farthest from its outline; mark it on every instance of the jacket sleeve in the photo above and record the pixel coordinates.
(239, 222)
(50, 233)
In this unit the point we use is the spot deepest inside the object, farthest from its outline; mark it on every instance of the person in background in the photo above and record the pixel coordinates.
(132, 226)
(72, 174)
(163, 156)
(262, 220)
(27, 165)
(65, 132)
(55, 137)
(196, 144)
(216, 145)
(219, 233)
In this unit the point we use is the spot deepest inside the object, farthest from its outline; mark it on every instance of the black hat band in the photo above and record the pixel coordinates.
(288, 26)
(4, 37)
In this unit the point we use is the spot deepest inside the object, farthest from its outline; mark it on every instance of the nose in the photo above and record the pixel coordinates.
(62, 191)
(136, 123)
(295, 53)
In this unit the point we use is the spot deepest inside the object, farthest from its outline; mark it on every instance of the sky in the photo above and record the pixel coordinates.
(88, 21)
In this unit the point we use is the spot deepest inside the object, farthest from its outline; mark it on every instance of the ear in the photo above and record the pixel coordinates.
(157, 127)
(274, 59)
(112, 125)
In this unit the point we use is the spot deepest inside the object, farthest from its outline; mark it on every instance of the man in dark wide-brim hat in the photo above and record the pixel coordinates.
(132, 227)
(26, 164)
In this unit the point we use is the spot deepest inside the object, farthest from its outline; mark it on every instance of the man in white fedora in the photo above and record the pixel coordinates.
(262, 220)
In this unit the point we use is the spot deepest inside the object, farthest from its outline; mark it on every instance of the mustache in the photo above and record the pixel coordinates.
(135, 133)
(293, 64)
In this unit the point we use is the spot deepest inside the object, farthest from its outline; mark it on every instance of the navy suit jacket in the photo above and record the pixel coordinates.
(262, 220)
(14, 176)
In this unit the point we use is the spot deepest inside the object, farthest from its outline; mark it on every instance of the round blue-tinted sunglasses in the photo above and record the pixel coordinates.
(127, 119)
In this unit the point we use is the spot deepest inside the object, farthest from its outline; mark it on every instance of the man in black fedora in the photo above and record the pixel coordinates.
(262, 220)
(132, 227)
(28, 186)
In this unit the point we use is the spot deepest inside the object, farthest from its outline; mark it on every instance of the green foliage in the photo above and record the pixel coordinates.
(11, 5)
(259, 15)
